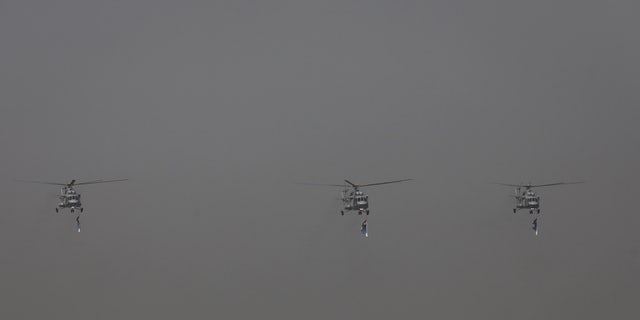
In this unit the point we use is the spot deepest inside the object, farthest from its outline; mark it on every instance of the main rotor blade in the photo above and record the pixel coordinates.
(535, 185)
(351, 183)
(321, 184)
(386, 182)
(44, 182)
(509, 185)
(98, 181)
(553, 184)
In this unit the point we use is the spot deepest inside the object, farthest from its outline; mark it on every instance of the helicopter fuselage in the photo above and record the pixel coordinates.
(69, 199)
(528, 203)
(355, 201)
(527, 200)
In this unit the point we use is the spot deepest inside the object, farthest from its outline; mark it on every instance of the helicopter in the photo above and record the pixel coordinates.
(352, 198)
(69, 197)
(527, 198)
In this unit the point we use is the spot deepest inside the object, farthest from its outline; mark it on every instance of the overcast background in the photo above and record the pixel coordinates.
(214, 109)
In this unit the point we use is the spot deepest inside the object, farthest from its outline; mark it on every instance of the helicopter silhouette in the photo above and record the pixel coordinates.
(527, 198)
(352, 198)
(69, 197)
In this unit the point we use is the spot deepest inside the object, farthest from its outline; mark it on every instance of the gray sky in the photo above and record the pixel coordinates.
(214, 108)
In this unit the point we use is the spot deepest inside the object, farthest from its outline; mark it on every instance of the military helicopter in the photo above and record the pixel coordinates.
(527, 199)
(69, 197)
(352, 198)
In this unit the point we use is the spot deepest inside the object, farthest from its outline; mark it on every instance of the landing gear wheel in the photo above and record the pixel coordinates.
(531, 211)
(81, 209)
(367, 212)
(341, 212)
(514, 210)
(56, 210)
(538, 211)
(71, 210)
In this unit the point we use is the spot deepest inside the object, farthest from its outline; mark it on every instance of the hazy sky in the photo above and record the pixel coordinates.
(214, 109)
